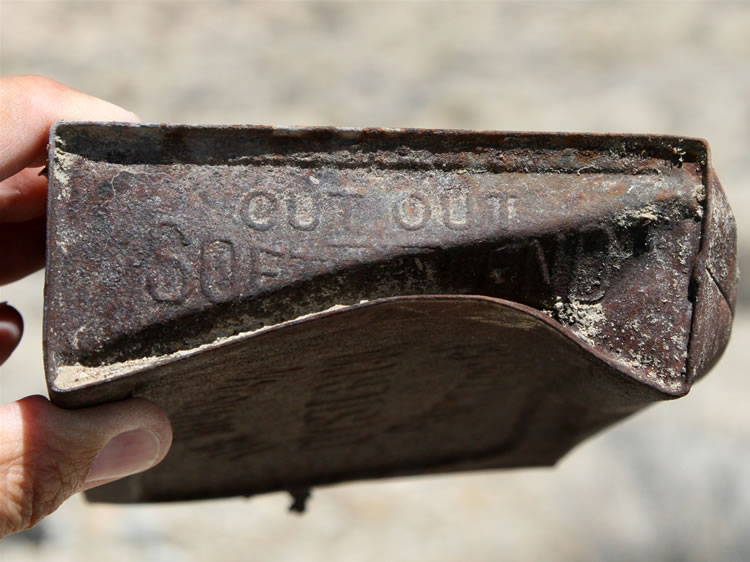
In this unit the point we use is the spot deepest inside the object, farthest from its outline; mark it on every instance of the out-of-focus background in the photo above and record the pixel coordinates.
(672, 483)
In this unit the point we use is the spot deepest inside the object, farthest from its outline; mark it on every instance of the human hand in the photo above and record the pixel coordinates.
(47, 453)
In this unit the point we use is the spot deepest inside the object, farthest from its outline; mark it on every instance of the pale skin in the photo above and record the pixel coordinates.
(47, 454)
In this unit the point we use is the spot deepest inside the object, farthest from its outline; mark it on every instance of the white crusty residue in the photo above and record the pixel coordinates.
(64, 161)
(584, 319)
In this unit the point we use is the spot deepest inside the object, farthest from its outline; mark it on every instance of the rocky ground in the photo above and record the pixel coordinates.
(669, 484)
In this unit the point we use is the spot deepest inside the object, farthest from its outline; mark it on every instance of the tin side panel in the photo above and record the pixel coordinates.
(168, 238)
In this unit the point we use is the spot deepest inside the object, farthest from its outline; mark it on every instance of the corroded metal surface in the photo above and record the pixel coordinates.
(522, 291)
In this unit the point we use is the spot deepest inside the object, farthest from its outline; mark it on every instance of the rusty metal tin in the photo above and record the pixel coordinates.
(318, 305)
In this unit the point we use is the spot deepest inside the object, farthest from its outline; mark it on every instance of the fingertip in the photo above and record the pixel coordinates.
(11, 330)
(141, 440)
(131, 117)
(78, 106)
(153, 418)
(54, 100)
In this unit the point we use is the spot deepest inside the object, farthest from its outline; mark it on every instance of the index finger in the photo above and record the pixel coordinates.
(29, 105)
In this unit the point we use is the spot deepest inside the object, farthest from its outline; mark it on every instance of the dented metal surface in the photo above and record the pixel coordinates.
(176, 248)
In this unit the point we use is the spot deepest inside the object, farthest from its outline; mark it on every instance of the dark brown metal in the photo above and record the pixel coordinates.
(318, 305)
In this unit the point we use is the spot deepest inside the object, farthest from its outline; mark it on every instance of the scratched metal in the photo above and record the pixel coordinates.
(520, 291)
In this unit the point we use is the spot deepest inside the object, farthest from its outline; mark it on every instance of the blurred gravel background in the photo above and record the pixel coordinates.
(669, 484)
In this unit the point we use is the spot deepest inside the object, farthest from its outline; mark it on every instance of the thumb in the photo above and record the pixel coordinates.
(47, 453)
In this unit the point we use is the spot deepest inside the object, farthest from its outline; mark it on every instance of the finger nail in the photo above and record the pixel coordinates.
(128, 453)
(10, 329)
